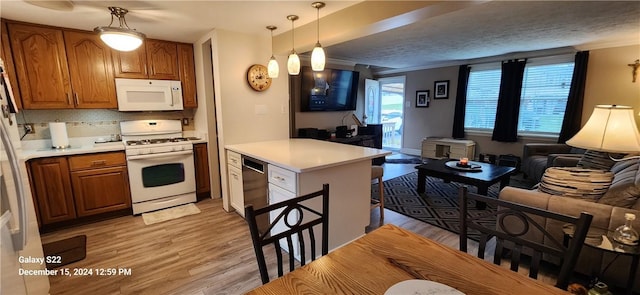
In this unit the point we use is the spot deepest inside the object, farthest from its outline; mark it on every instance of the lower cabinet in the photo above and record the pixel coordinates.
(66, 188)
(235, 189)
(201, 158)
(51, 187)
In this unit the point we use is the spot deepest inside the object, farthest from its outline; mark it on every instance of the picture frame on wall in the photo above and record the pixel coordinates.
(422, 99)
(441, 89)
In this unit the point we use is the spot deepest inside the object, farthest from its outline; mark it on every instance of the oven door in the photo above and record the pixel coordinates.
(161, 175)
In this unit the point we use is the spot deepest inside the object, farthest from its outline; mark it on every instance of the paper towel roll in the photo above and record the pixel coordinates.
(59, 137)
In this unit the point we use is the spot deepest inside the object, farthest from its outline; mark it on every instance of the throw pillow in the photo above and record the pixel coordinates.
(580, 183)
(596, 160)
(625, 188)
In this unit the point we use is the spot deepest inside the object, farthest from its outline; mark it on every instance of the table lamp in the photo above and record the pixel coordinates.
(610, 129)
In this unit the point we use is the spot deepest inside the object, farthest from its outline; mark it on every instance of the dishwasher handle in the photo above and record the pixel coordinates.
(254, 165)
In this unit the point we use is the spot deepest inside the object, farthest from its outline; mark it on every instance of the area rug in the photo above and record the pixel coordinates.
(438, 205)
(65, 251)
(170, 213)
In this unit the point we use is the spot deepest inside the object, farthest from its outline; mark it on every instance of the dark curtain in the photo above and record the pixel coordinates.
(506, 125)
(573, 112)
(461, 101)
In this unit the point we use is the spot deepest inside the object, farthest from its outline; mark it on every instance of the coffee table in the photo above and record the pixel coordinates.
(482, 179)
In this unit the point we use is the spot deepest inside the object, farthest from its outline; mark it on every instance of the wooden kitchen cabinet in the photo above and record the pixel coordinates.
(51, 186)
(91, 71)
(67, 188)
(201, 158)
(41, 66)
(100, 183)
(9, 67)
(187, 75)
(155, 60)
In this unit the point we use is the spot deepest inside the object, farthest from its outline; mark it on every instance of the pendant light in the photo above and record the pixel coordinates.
(317, 55)
(272, 67)
(120, 38)
(293, 64)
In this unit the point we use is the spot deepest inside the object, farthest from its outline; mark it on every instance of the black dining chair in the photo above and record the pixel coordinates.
(515, 224)
(289, 221)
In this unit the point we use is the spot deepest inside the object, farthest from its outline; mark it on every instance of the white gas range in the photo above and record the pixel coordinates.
(160, 164)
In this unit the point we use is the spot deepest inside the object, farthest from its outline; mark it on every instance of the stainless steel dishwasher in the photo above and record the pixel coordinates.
(255, 185)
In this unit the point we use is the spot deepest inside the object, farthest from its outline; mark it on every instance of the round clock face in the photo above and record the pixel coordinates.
(258, 78)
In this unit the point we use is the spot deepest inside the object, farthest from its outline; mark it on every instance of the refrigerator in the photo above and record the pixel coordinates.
(20, 243)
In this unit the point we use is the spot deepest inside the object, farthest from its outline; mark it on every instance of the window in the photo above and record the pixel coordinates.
(482, 98)
(544, 97)
(545, 89)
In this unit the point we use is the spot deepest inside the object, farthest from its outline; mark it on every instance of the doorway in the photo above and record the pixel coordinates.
(392, 111)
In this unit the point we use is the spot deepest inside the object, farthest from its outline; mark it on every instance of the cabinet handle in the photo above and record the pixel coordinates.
(76, 98)
(99, 163)
(68, 97)
(279, 178)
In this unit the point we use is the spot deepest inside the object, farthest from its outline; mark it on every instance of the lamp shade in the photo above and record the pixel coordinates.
(293, 64)
(121, 40)
(610, 128)
(273, 70)
(317, 58)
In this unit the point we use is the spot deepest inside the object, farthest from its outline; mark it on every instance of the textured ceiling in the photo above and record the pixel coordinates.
(497, 28)
(460, 35)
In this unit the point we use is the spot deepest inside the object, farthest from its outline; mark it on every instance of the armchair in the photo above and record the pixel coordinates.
(537, 157)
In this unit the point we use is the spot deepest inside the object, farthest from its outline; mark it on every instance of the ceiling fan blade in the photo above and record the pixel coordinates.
(60, 5)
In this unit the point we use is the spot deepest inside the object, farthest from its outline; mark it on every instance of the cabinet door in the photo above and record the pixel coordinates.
(235, 189)
(187, 75)
(201, 159)
(162, 60)
(9, 67)
(51, 188)
(277, 195)
(41, 65)
(91, 71)
(130, 64)
(101, 190)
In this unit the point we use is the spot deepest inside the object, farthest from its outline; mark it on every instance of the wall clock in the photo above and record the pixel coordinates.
(258, 78)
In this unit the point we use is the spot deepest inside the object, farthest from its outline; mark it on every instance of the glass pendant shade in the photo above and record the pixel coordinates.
(121, 41)
(293, 64)
(120, 38)
(273, 70)
(317, 58)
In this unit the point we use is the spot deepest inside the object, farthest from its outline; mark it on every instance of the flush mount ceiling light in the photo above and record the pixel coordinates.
(120, 38)
(272, 67)
(317, 55)
(293, 64)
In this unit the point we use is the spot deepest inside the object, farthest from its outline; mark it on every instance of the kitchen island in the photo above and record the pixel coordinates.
(300, 166)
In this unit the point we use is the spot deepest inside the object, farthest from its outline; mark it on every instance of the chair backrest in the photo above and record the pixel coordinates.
(291, 229)
(523, 221)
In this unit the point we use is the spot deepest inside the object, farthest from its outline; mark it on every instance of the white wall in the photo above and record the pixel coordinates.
(242, 114)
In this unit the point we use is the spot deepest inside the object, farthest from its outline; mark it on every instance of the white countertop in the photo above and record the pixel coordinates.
(301, 155)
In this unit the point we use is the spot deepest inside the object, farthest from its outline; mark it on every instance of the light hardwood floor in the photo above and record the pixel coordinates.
(206, 253)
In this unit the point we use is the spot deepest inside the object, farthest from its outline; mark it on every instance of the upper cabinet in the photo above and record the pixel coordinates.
(62, 69)
(187, 75)
(9, 67)
(156, 59)
(91, 71)
(57, 68)
(41, 64)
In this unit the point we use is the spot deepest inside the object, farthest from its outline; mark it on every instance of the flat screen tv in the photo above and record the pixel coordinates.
(328, 90)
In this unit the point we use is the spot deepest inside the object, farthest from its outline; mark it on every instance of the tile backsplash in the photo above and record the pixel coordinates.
(88, 123)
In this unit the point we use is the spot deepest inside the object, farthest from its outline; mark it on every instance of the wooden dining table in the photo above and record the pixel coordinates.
(389, 255)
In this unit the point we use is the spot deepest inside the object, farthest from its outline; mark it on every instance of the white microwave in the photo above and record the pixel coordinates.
(148, 95)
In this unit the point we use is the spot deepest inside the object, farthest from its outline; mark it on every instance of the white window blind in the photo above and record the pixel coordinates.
(545, 89)
(482, 98)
